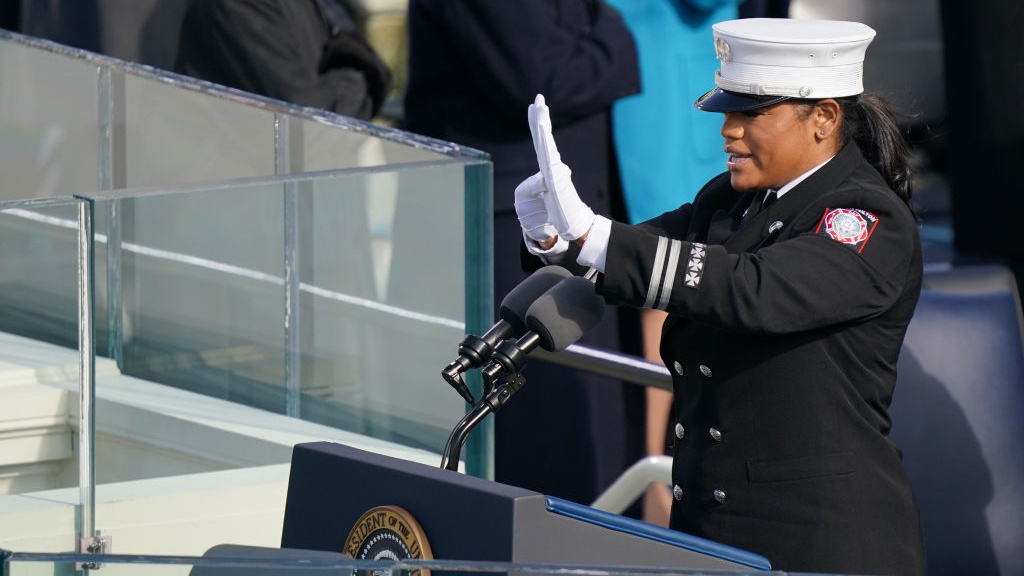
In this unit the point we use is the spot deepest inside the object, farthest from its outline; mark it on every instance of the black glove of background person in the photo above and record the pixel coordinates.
(349, 49)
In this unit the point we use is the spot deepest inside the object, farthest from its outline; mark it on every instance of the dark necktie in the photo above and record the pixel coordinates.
(760, 201)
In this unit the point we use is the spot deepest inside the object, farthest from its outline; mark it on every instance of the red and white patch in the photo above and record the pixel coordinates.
(849, 226)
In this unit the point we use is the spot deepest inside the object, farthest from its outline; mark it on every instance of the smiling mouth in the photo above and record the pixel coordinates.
(736, 160)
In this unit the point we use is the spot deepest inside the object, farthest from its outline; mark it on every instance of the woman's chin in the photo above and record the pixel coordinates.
(741, 184)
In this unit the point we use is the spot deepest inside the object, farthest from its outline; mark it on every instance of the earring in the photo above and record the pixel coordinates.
(822, 131)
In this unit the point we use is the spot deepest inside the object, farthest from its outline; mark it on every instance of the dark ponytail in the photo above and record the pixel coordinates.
(869, 121)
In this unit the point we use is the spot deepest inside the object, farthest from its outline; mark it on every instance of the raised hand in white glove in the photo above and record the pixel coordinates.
(532, 213)
(541, 237)
(566, 212)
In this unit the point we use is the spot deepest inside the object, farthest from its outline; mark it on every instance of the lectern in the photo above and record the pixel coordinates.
(332, 486)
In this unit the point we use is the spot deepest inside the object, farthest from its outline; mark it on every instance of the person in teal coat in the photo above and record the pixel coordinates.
(677, 56)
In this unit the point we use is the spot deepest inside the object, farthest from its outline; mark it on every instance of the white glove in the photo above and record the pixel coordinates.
(569, 215)
(533, 215)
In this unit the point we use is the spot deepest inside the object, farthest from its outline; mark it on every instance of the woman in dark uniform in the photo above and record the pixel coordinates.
(786, 314)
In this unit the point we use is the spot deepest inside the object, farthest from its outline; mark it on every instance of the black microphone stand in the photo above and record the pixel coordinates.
(495, 398)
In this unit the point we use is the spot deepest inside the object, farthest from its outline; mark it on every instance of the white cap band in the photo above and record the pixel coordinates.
(795, 58)
(776, 81)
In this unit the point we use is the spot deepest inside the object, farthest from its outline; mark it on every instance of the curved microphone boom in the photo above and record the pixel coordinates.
(555, 320)
(475, 351)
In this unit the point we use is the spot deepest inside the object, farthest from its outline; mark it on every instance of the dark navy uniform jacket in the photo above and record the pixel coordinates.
(782, 340)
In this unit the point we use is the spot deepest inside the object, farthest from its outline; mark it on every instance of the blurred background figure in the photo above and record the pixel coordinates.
(764, 9)
(307, 52)
(474, 68)
(663, 168)
(984, 81)
(10, 14)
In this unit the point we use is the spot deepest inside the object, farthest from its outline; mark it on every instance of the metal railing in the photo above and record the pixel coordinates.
(614, 365)
(632, 483)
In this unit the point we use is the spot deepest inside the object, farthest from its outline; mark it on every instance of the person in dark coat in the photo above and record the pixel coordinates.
(474, 66)
(981, 55)
(307, 52)
(789, 284)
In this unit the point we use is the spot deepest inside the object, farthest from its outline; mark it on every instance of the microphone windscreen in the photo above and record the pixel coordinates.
(515, 304)
(564, 313)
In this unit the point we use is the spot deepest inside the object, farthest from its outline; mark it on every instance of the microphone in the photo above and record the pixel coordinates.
(475, 351)
(555, 320)
(559, 317)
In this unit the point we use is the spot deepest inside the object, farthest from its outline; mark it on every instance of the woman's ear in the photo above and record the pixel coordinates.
(826, 117)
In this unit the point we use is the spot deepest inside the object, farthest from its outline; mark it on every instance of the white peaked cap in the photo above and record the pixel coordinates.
(767, 60)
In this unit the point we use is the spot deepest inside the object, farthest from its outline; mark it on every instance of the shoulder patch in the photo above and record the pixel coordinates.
(850, 226)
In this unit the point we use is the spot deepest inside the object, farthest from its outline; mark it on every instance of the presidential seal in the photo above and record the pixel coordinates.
(388, 533)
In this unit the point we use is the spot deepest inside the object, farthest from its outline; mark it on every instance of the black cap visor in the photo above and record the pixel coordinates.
(718, 100)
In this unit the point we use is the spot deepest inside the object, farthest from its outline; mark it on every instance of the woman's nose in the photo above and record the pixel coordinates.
(731, 129)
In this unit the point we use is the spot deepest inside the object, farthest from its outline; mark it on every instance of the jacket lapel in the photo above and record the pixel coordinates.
(724, 223)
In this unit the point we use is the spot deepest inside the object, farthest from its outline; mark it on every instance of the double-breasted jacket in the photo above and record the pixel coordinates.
(782, 339)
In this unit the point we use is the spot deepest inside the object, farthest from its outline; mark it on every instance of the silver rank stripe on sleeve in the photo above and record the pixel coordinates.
(666, 265)
(663, 273)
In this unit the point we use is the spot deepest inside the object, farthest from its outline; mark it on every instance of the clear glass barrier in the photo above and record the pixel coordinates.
(237, 310)
(202, 278)
(77, 122)
(209, 378)
(39, 288)
(49, 112)
(22, 564)
(177, 132)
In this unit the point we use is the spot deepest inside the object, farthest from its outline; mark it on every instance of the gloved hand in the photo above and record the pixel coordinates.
(532, 213)
(566, 212)
(350, 49)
